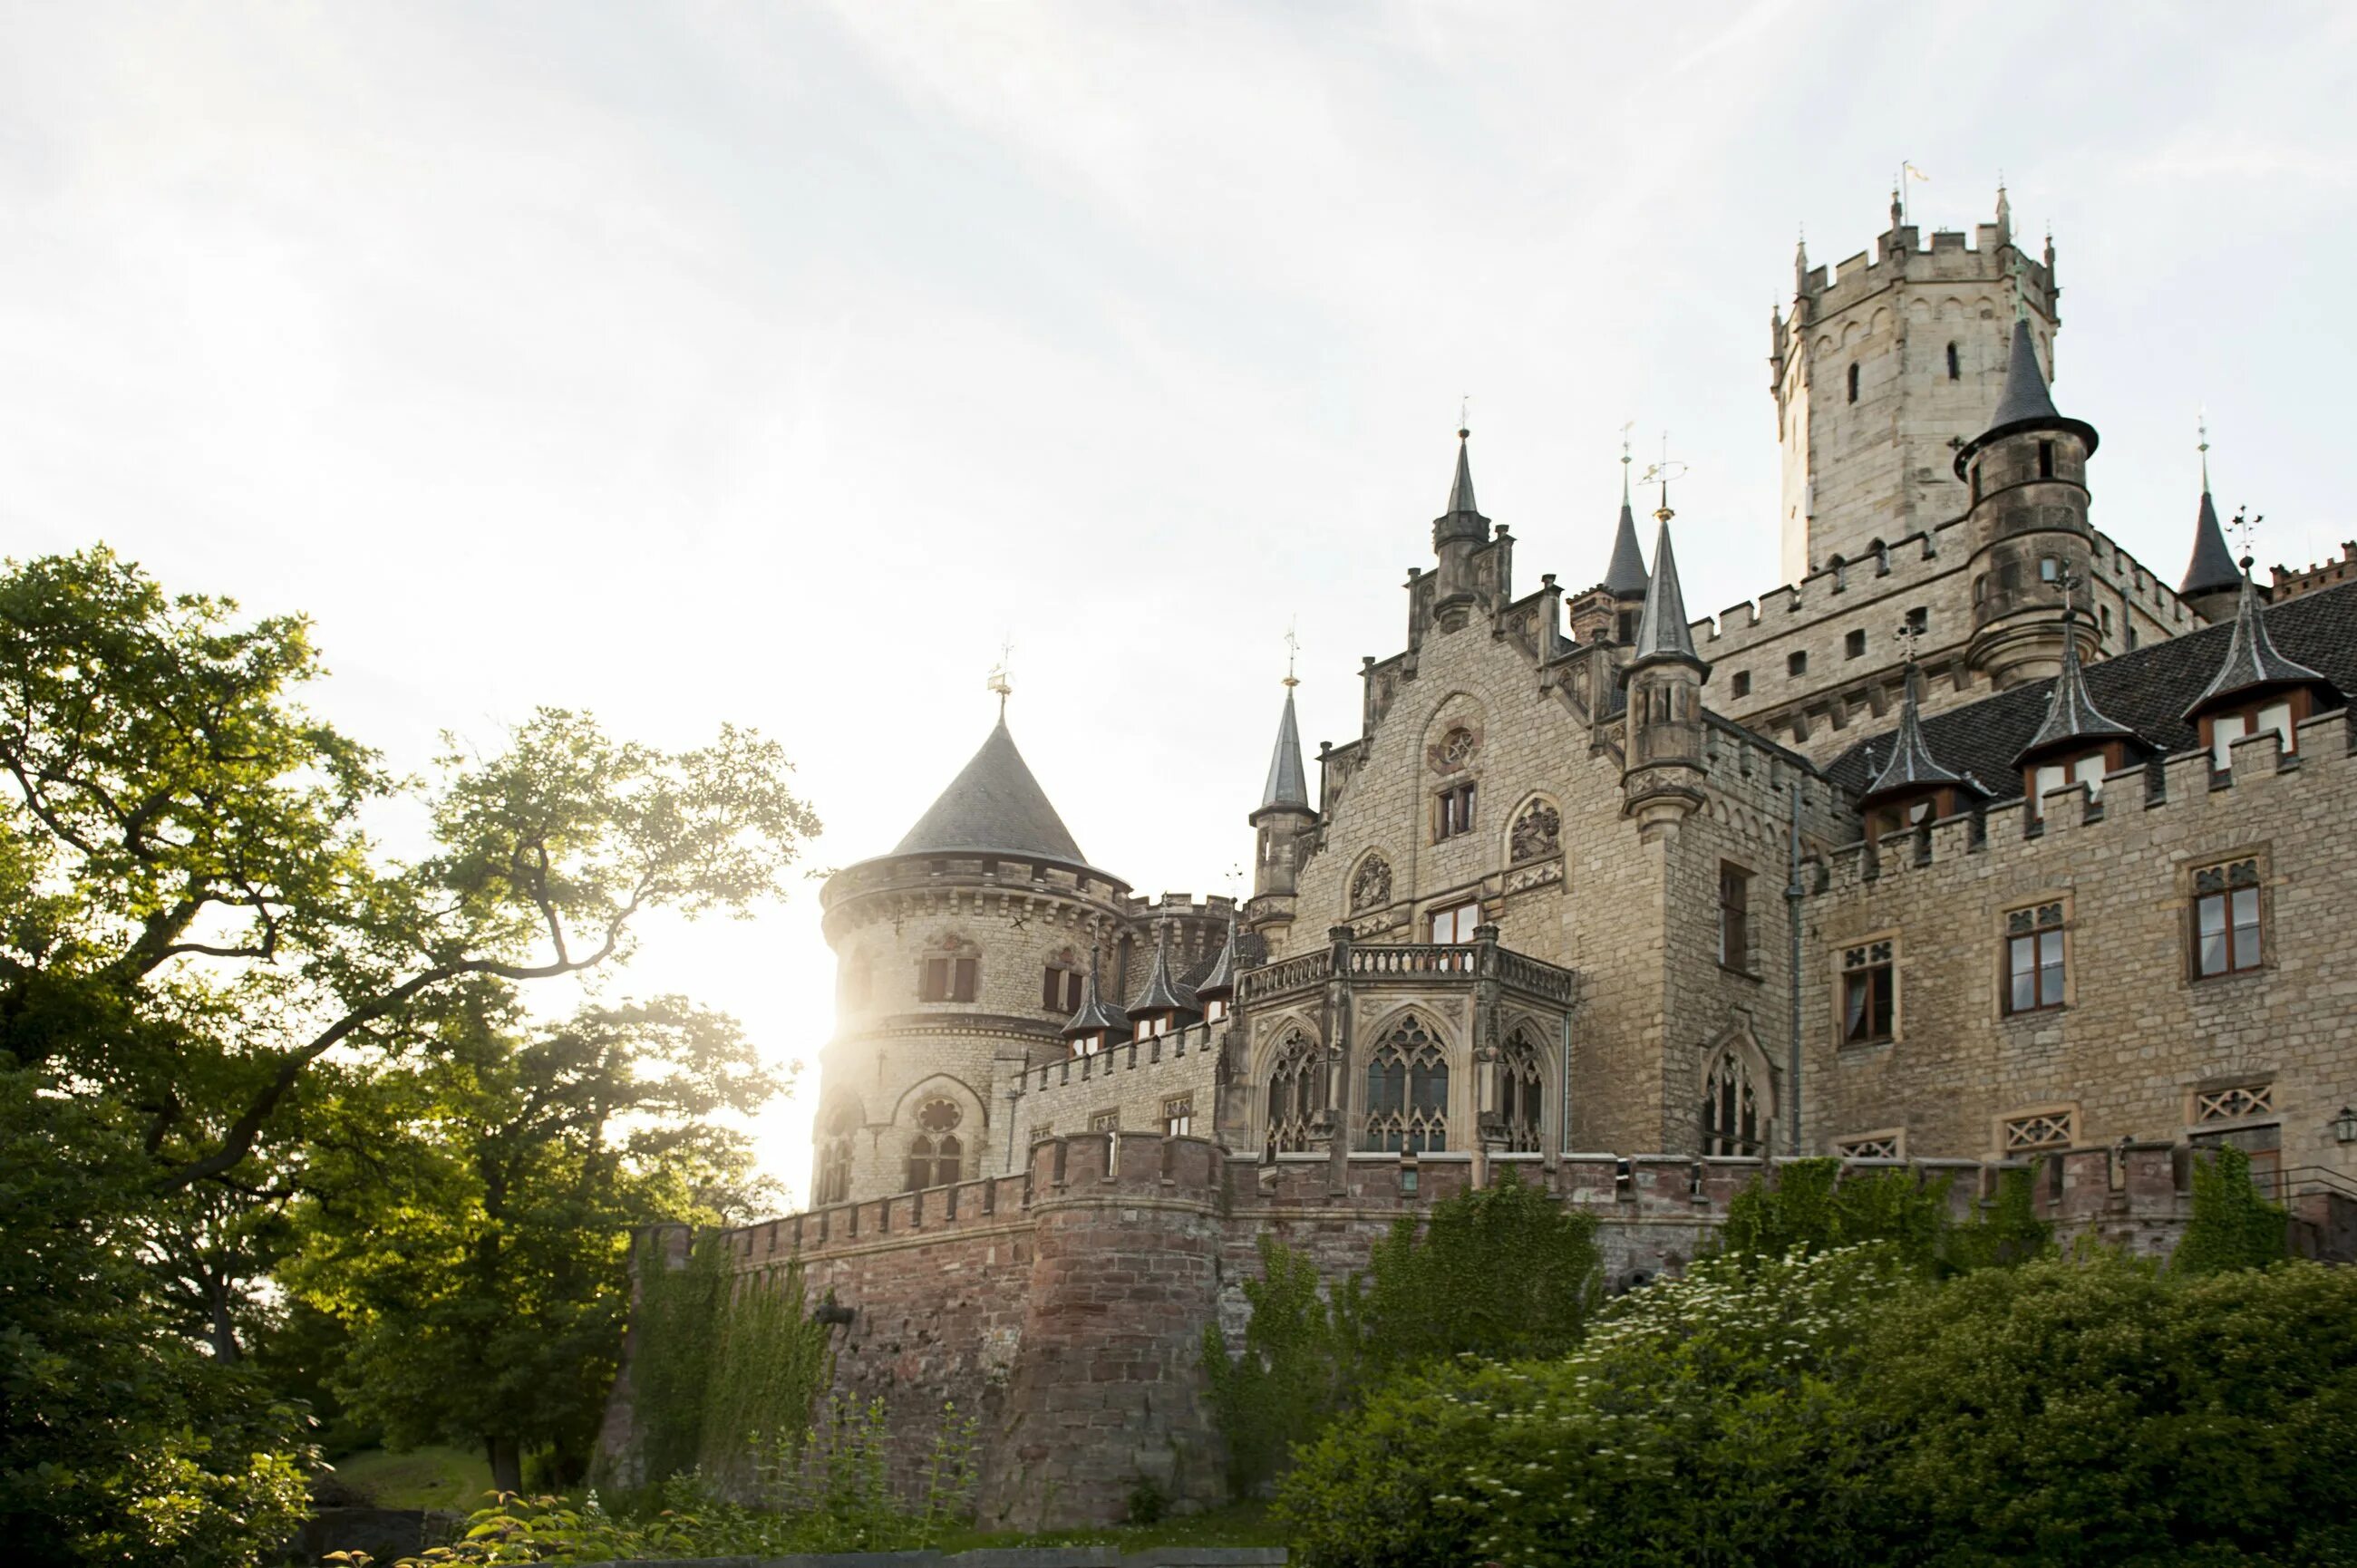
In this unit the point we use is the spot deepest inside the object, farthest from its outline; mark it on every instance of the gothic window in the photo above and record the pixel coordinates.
(1733, 1121)
(950, 980)
(2226, 938)
(1520, 1105)
(1734, 916)
(1853, 383)
(936, 1158)
(831, 1183)
(1955, 365)
(1372, 885)
(1297, 1093)
(1869, 996)
(2034, 959)
(1408, 1091)
(1179, 1116)
(1538, 832)
(1452, 813)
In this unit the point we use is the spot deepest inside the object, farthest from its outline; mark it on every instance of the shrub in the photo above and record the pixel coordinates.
(2232, 1227)
(1814, 1208)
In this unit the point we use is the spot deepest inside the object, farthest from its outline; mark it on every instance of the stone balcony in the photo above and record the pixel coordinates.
(1422, 966)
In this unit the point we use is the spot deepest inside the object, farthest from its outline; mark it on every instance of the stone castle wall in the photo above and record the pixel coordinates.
(1064, 1306)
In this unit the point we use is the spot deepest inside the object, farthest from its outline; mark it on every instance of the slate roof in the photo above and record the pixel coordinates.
(1162, 994)
(1095, 1013)
(994, 804)
(2023, 403)
(1460, 493)
(1219, 980)
(1288, 785)
(2070, 711)
(1626, 578)
(2213, 565)
(1662, 631)
(1910, 765)
(2252, 663)
(2148, 689)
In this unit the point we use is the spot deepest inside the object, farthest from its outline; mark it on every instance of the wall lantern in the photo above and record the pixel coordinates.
(2344, 1126)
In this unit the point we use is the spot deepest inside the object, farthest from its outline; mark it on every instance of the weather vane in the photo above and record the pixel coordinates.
(1907, 633)
(1002, 675)
(2201, 424)
(2245, 528)
(1292, 649)
(1661, 474)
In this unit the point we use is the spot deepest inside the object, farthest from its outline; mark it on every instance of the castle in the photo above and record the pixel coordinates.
(1978, 843)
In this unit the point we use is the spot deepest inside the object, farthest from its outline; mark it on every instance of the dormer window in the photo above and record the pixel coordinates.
(1088, 1044)
(1899, 816)
(1152, 1028)
(2281, 714)
(1214, 1009)
(2088, 769)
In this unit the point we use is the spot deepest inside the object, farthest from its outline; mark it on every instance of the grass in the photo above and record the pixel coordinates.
(453, 1478)
(1238, 1524)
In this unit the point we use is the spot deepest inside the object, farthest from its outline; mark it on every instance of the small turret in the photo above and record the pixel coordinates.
(2077, 743)
(1216, 989)
(2212, 586)
(1165, 1004)
(2026, 475)
(1625, 579)
(1098, 1023)
(1459, 531)
(1662, 780)
(1281, 823)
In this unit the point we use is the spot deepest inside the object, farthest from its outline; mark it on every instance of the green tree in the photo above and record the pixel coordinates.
(469, 1220)
(2232, 1227)
(1286, 1382)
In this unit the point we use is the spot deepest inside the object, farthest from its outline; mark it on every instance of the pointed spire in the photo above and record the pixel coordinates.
(1287, 788)
(1221, 979)
(1095, 1014)
(2252, 663)
(2004, 213)
(2023, 403)
(2212, 569)
(1460, 490)
(1911, 766)
(1625, 577)
(2072, 717)
(1801, 263)
(1164, 995)
(1661, 633)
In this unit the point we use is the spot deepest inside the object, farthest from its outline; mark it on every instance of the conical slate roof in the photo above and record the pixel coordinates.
(1460, 493)
(1164, 995)
(1220, 979)
(1911, 766)
(1661, 633)
(1095, 1013)
(2071, 715)
(1289, 786)
(994, 804)
(2252, 663)
(2212, 570)
(2023, 403)
(1625, 577)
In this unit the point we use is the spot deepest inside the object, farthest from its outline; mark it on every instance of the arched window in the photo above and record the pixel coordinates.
(936, 1158)
(1853, 383)
(1733, 1121)
(1408, 1091)
(1955, 365)
(831, 1183)
(1297, 1093)
(1520, 1106)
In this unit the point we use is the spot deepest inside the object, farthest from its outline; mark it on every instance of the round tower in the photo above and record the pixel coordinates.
(2026, 475)
(958, 957)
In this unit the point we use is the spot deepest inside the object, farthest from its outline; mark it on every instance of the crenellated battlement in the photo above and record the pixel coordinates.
(1986, 255)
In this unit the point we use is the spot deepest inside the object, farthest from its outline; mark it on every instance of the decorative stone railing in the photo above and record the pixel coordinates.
(1415, 962)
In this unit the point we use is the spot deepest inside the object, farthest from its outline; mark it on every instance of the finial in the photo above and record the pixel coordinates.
(1292, 648)
(2201, 424)
(2243, 527)
(1464, 416)
(1625, 458)
(1002, 676)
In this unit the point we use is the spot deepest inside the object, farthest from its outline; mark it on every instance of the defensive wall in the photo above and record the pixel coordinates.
(1063, 1306)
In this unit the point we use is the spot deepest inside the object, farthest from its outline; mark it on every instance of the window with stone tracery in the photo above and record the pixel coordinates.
(1297, 1093)
(1408, 1091)
(936, 1157)
(832, 1182)
(1520, 1105)
(1733, 1117)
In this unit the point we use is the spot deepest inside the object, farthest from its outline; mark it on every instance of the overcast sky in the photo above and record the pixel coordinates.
(772, 362)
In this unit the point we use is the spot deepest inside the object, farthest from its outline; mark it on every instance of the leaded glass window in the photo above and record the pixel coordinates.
(1408, 1091)
(1520, 1105)
(1732, 1119)
(1297, 1093)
